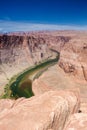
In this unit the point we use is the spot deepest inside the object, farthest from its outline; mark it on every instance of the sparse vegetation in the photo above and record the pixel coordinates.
(20, 85)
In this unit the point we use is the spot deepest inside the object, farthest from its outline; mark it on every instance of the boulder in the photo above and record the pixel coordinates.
(48, 111)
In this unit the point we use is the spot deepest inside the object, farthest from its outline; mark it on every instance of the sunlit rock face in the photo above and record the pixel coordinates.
(47, 111)
(53, 107)
(19, 51)
(77, 122)
(73, 56)
(22, 50)
(25, 49)
(73, 60)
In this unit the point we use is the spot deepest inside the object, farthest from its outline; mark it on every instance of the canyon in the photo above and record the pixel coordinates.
(60, 92)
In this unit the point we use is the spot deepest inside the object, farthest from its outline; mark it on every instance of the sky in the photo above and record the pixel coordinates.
(29, 15)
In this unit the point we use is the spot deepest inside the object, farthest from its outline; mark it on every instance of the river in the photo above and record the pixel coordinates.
(22, 86)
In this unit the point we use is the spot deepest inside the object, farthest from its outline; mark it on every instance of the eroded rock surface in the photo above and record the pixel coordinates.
(19, 51)
(77, 122)
(47, 111)
(53, 79)
(73, 56)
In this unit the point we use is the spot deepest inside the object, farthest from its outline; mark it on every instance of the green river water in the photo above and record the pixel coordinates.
(22, 86)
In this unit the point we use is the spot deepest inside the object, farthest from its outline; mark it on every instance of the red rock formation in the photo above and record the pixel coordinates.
(47, 111)
(6, 104)
(83, 107)
(72, 46)
(19, 51)
(73, 57)
(77, 122)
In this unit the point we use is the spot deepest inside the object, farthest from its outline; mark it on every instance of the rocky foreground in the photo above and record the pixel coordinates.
(60, 101)
(50, 110)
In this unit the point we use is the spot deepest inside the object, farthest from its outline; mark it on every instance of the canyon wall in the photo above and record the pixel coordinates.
(71, 70)
(19, 51)
(73, 58)
(52, 107)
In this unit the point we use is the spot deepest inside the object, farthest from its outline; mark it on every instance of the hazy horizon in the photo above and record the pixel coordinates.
(33, 15)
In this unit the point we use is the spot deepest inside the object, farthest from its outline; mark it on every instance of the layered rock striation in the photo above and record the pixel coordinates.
(47, 111)
(77, 122)
(53, 107)
(73, 56)
(19, 51)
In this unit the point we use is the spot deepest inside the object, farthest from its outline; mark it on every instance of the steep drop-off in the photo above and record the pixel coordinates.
(19, 51)
(52, 107)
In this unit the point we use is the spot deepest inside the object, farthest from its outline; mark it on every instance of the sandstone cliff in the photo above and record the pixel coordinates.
(52, 107)
(19, 51)
(73, 55)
